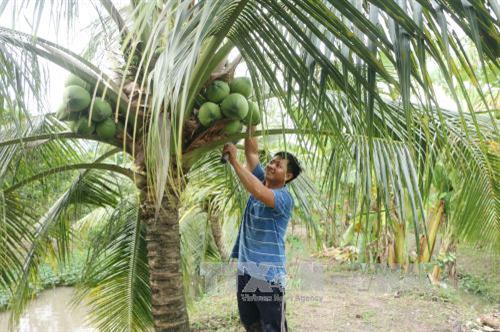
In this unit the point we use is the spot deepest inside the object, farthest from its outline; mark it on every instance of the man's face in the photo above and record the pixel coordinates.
(276, 171)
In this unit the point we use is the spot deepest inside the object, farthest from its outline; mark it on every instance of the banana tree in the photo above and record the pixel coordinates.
(331, 65)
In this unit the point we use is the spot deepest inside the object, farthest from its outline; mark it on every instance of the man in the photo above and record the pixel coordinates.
(260, 246)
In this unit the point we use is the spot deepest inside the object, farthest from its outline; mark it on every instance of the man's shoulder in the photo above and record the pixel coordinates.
(284, 192)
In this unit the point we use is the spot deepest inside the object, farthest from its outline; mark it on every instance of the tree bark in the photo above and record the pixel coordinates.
(432, 230)
(164, 259)
(448, 245)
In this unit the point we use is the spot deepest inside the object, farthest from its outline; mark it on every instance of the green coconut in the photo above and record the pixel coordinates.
(106, 129)
(217, 91)
(81, 126)
(233, 127)
(241, 85)
(253, 116)
(235, 106)
(75, 80)
(208, 113)
(101, 110)
(76, 98)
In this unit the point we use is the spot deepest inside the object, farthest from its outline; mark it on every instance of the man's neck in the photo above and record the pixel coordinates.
(272, 185)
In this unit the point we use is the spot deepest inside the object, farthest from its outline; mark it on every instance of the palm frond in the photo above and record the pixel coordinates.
(115, 283)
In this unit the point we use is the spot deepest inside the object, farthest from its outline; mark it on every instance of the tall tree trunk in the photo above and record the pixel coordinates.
(400, 244)
(448, 246)
(432, 231)
(163, 245)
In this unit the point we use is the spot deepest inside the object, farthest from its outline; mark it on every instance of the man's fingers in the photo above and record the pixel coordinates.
(226, 147)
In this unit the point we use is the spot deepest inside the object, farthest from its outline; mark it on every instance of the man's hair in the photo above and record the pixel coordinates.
(293, 163)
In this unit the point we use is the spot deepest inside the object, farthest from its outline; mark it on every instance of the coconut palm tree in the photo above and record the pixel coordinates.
(349, 75)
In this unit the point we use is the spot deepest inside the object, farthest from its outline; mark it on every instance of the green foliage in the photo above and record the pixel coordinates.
(480, 286)
(115, 278)
(49, 276)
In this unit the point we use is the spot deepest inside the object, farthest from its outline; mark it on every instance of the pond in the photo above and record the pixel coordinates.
(51, 312)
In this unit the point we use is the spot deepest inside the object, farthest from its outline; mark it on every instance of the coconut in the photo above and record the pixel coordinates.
(208, 113)
(235, 106)
(75, 80)
(76, 98)
(81, 126)
(233, 127)
(253, 116)
(101, 110)
(241, 85)
(106, 129)
(217, 91)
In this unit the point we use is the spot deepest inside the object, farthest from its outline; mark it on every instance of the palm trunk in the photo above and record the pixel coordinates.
(448, 246)
(163, 245)
(400, 244)
(433, 228)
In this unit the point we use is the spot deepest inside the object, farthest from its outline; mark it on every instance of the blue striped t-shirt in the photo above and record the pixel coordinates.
(260, 246)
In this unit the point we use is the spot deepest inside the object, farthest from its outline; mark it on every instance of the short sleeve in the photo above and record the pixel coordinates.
(258, 171)
(283, 202)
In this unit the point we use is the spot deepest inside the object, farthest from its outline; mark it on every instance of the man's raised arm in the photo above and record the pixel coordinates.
(251, 150)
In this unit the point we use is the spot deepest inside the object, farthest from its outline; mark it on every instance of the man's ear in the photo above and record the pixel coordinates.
(288, 176)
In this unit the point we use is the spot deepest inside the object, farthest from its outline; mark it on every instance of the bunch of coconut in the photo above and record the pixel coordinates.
(223, 100)
(78, 106)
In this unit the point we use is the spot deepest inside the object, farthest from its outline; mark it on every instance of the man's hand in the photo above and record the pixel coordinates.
(251, 183)
(232, 152)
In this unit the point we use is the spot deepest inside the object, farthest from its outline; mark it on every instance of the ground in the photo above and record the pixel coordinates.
(326, 296)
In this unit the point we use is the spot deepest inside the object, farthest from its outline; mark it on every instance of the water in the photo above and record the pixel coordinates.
(51, 312)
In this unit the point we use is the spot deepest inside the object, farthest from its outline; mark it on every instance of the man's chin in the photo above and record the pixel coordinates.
(270, 179)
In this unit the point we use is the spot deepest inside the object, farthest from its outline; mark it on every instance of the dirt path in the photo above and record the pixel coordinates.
(325, 297)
